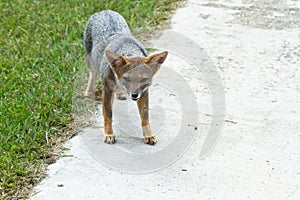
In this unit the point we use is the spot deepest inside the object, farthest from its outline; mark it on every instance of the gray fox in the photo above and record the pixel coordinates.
(124, 65)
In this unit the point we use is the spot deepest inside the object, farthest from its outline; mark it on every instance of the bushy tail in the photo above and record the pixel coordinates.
(87, 39)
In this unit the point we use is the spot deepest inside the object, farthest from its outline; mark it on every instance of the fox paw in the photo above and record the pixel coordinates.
(89, 94)
(150, 140)
(109, 139)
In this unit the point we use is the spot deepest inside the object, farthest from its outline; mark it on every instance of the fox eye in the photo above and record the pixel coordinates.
(144, 80)
(144, 86)
(126, 78)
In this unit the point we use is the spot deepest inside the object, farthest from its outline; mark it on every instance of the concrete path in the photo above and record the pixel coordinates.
(254, 48)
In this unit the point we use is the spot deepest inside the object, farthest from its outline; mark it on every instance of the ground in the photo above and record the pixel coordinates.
(254, 47)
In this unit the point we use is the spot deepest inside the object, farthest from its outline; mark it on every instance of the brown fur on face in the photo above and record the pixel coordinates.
(135, 73)
(117, 62)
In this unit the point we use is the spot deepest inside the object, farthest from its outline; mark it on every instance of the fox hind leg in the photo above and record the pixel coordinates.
(90, 90)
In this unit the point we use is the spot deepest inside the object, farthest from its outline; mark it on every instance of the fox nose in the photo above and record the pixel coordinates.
(134, 95)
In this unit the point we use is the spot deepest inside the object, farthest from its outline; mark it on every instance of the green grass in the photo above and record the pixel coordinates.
(41, 52)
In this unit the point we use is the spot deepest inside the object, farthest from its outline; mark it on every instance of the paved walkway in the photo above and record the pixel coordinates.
(255, 49)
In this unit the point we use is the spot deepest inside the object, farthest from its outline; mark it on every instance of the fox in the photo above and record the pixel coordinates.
(124, 65)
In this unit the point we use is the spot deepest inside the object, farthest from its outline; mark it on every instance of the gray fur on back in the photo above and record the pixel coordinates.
(108, 30)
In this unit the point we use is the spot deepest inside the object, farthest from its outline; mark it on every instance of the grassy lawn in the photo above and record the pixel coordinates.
(41, 52)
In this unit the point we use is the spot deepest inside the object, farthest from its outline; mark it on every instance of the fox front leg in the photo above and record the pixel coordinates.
(107, 101)
(143, 105)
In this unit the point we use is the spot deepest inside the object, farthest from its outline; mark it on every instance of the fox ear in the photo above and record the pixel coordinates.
(154, 61)
(116, 61)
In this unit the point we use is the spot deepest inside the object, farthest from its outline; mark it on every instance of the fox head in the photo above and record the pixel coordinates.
(135, 73)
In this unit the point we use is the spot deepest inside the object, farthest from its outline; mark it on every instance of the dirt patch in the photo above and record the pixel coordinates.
(264, 14)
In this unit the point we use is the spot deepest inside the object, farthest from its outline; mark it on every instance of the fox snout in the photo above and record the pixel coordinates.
(129, 91)
(135, 96)
(135, 90)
